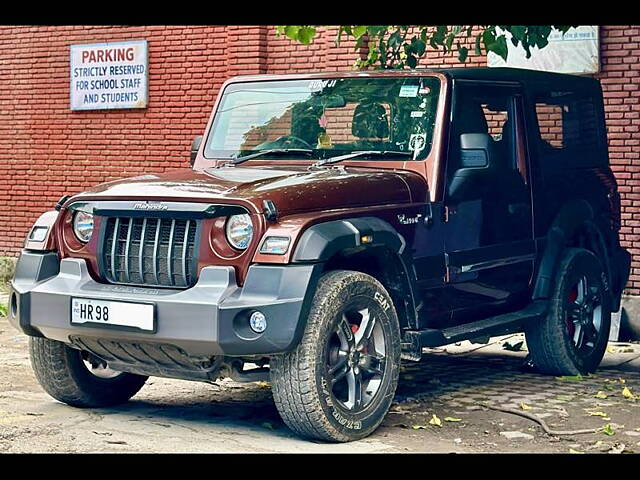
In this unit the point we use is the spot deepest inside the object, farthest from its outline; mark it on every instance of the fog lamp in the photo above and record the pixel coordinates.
(258, 322)
(275, 245)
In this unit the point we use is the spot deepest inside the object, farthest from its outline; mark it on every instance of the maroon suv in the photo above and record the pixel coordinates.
(331, 225)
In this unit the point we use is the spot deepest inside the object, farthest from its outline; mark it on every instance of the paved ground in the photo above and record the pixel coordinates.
(452, 383)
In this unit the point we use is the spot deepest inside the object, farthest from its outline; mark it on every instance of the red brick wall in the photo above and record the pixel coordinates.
(46, 150)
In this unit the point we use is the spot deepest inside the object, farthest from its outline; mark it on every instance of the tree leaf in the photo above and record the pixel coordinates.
(359, 31)
(500, 47)
(608, 430)
(306, 34)
(597, 414)
(463, 52)
(601, 395)
(524, 406)
(291, 31)
(571, 450)
(419, 427)
(626, 393)
(452, 419)
(449, 41)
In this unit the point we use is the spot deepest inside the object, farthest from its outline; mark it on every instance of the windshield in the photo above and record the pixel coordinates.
(329, 117)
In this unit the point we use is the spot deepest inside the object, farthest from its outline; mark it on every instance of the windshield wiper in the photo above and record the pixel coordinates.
(238, 160)
(363, 153)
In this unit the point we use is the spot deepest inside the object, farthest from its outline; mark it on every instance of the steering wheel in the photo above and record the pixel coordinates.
(289, 140)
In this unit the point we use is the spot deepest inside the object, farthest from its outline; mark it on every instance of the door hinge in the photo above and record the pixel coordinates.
(428, 216)
(447, 273)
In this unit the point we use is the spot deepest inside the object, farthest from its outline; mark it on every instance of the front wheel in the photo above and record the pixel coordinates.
(573, 337)
(338, 384)
(77, 379)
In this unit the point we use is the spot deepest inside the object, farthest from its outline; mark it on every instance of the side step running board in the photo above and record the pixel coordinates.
(415, 340)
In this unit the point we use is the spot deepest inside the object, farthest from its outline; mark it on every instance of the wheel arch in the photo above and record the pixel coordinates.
(368, 245)
(575, 225)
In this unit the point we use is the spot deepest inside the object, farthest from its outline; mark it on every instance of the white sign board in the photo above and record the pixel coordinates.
(109, 75)
(575, 52)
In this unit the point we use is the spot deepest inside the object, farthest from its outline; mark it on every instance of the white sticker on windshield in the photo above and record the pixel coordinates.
(417, 142)
(417, 114)
(409, 91)
(316, 85)
(424, 91)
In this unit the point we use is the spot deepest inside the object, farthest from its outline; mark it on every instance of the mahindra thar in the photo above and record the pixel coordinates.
(330, 226)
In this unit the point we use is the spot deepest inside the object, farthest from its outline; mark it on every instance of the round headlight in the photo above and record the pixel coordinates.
(239, 231)
(83, 226)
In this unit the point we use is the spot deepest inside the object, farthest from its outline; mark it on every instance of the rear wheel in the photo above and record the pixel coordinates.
(78, 379)
(573, 337)
(338, 384)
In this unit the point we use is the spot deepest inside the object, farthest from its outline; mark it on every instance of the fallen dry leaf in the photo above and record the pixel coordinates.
(597, 414)
(452, 419)
(524, 406)
(435, 421)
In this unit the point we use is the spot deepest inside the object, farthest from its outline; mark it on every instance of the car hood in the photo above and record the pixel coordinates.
(292, 188)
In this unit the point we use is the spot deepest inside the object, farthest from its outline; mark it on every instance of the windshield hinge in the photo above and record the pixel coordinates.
(270, 210)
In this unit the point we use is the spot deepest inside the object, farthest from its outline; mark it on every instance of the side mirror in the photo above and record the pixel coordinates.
(195, 146)
(476, 150)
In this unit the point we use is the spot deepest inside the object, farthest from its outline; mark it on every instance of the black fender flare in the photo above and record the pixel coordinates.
(322, 242)
(572, 217)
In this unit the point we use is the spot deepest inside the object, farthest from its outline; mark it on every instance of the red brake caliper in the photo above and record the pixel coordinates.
(354, 329)
(572, 297)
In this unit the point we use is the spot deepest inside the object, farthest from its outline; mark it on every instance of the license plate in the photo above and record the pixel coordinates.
(107, 312)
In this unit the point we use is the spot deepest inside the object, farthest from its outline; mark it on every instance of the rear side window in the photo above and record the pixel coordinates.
(570, 129)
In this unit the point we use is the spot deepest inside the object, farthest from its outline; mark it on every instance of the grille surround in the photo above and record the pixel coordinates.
(150, 251)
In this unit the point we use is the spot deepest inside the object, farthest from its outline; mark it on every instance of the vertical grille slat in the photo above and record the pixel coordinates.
(114, 245)
(169, 257)
(141, 250)
(127, 246)
(184, 253)
(155, 252)
(150, 251)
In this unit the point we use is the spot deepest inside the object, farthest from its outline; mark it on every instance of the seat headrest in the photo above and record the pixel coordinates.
(472, 119)
(370, 121)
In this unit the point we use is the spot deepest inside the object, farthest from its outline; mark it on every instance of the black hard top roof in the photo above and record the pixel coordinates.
(519, 75)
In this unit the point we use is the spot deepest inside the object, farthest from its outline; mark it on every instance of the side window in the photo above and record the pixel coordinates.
(569, 129)
(490, 112)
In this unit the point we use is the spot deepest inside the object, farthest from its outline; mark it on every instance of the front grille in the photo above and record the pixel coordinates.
(158, 252)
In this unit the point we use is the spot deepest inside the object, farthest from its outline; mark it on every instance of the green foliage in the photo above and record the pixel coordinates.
(7, 268)
(403, 46)
(3, 310)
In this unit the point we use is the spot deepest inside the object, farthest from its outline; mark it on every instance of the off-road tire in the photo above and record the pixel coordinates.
(62, 373)
(550, 342)
(299, 378)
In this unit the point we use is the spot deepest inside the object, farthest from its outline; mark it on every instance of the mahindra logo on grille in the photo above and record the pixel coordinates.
(150, 206)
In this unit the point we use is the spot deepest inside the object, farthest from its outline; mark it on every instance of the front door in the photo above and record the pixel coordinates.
(489, 242)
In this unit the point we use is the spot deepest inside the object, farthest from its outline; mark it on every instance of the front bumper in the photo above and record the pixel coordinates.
(205, 320)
